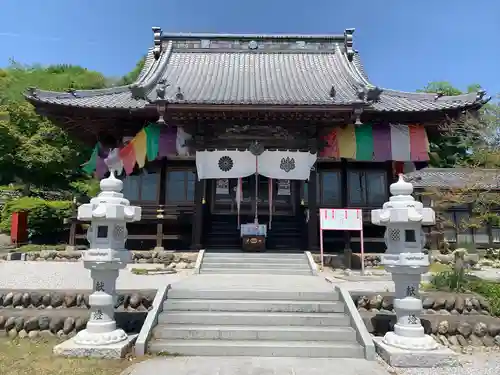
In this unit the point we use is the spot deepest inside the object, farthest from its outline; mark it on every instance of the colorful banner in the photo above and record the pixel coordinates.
(377, 143)
(91, 164)
(151, 143)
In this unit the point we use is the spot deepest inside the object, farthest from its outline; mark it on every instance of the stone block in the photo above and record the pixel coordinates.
(441, 357)
(113, 351)
(16, 256)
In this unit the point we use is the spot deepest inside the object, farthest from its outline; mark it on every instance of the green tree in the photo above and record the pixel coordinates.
(471, 141)
(132, 76)
(441, 87)
(32, 149)
(459, 141)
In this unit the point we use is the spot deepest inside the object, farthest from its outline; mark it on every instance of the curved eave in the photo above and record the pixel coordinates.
(400, 101)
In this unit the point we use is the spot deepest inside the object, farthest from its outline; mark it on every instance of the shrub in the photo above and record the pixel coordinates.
(89, 188)
(45, 218)
(453, 281)
(489, 290)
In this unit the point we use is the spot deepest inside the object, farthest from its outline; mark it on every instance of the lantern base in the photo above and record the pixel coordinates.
(105, 338)
(398, 357)
(117, 350)
(424, 342)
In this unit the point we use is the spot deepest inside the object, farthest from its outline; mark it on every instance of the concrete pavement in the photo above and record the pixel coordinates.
(256, 366)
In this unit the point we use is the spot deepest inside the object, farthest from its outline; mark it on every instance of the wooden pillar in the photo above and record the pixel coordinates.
(199, 196)
(312, 226)
(161, 206)
(345, 203)
(390, 177)
(72, 233)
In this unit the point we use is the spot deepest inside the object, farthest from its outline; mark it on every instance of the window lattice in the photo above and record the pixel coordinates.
(394, 234)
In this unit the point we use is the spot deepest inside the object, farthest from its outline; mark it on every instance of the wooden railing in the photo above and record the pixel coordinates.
(155, 212)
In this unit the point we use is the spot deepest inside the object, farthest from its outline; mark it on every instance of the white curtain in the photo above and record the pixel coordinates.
(224, 164)
(286, 165)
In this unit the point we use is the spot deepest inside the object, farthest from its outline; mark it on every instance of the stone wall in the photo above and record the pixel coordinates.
(454, 320)
(337, 260)
(38, 313)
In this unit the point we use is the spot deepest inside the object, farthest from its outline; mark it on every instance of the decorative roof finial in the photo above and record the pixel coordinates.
(160, 89)
(361, 93)
(157, 41)
(348, 43)
(179, 95)
(438, 95)
(373, 94)
(480, 94)
(32, 91)
(332, 92)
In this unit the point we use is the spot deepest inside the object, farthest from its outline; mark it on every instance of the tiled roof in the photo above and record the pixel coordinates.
(255, 69)
(455, 178)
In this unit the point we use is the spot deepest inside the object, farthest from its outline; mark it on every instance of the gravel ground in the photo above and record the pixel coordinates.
(479, 363)
(72, 275)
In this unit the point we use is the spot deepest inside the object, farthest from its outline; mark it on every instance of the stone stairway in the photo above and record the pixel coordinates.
(255, 263)
(286, 316)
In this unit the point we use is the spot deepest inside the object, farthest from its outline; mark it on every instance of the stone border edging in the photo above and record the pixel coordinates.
(39, 300)
(151, 321)
(357, 323)
(199, 260)
(170, 259)
(312, 263)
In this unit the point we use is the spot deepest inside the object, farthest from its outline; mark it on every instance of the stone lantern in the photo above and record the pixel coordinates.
(108, 214)
(403, 217)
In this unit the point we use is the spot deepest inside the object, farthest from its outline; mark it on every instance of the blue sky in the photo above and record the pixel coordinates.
(404, 44)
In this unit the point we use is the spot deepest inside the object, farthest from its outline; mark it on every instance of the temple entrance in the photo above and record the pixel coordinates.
(261, 194)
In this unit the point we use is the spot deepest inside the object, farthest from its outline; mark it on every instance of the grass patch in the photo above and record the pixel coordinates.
(37, 248)
(35, 357)
(439, 267)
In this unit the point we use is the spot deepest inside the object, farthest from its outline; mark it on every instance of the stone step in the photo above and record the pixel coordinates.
(235, 260)
(276, 333)
(242, 255)
(253, 294)
(313, 349)
(253, 318)
(263, 271)
(253, 306)
(262, 265)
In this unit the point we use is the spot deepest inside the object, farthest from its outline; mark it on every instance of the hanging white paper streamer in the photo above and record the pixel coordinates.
(286, 165)
(224, 164)
(238, 199)
(270, 200)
